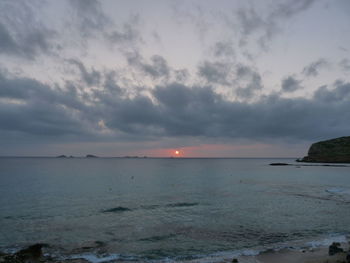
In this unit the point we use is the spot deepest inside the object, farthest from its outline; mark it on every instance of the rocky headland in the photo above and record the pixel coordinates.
(330, 151)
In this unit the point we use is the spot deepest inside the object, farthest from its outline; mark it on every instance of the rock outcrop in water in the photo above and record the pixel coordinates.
(330, 151)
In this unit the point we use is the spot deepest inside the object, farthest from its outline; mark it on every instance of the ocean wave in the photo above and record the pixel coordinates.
(157, 238)
(118, 209)
(94, 258)
(182, 204)
(338, 190)
(327, 241)
(150, 207)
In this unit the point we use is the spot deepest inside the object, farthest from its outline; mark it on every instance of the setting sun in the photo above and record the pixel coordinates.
(177, 152)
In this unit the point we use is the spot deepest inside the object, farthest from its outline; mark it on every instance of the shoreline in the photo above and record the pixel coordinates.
(315, 251)
(319, 255)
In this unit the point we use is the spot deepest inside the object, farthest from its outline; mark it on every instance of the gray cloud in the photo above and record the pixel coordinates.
(7, 43)
(90, 17)
(107, 104)
(158, 67)
(290, 84)
(22, 34)
(251, 81)
(93, 22)
(215, 72)
(38, 109)
(313, 69)
(199, 111)
(175, 110)
(181, 75)
(244, 80)
(341, 93)
(90, 78)
(127, 34)
(224, 49)
(251, 22)
(345, 64)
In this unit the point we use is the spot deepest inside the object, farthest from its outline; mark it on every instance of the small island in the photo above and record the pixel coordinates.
(91, 156)
(330, 151)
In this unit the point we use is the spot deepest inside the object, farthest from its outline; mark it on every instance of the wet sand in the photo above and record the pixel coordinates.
(316, 256)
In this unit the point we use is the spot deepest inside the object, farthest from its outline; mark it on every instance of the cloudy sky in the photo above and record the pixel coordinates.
(208, 78)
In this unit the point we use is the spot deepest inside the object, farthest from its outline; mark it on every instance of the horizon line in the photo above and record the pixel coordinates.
(143, 157)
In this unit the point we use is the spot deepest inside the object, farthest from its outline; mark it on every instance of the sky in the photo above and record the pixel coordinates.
(223, 78)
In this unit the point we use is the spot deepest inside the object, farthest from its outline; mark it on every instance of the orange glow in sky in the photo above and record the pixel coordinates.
(177, 152)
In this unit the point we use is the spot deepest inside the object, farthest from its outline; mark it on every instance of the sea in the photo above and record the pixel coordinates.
(170, 209)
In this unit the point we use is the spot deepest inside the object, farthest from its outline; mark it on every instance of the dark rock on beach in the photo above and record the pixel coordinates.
(330, 151)
(334, 249)
(61, 156)
(279, 164)
(31, 254)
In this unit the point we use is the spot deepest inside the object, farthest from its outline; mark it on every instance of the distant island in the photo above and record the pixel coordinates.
(71, 156)
(330, 151)
(91, 156)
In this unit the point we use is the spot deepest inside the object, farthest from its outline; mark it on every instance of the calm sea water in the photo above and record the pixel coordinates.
(156, 209)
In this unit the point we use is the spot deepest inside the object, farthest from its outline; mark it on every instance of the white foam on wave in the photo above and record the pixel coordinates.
(247, 254)
(338, 190)
(250, 254)
(327, 241)
(95, 258)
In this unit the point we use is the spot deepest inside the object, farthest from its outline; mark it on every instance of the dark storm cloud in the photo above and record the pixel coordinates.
(39, 119)
(91, 77)
(199, 111)
(28, 106)
(341, 92)
(313, 69)
(21, 34)
(174, 110)
(252, 22)
(290, 84)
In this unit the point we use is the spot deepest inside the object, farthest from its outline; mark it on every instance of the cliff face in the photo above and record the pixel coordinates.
(330, 151)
